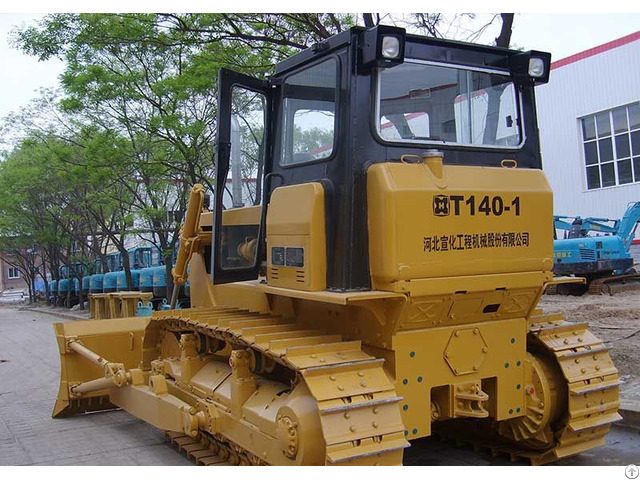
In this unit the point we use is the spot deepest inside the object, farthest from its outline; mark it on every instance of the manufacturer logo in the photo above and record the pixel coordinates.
(441, 205)
(445, 205)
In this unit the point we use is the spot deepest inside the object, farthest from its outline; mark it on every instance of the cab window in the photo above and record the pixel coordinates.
(308, 114)
(426, 103)
(242, 193)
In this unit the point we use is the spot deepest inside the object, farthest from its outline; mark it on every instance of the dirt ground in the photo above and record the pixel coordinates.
(616, 320)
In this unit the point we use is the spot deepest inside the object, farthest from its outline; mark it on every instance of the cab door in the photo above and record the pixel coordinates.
(242, 150)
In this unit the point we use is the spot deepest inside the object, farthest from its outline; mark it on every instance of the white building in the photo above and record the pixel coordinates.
(589, 119)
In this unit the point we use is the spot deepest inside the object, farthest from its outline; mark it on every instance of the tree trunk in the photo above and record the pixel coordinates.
(169, 275)
(80, 294)
(46, 282)
(504, 39)
(127, 268)
(30, 287)
(368, 20)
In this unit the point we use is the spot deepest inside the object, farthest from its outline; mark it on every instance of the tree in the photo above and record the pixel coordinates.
(18, 252)
(150, 80)
(29, 219)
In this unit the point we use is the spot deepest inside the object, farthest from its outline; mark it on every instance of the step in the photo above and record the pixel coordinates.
(264, 329)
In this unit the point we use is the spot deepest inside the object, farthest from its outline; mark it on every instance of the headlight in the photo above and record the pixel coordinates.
(383, 46)
(390, 47)
(536, 67)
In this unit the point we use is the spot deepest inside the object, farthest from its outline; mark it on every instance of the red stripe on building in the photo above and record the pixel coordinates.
(596, 50)
(411, 116)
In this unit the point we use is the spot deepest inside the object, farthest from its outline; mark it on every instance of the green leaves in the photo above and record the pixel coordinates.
(136, 122)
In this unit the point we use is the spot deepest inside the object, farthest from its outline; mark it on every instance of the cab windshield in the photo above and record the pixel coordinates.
(429, 103)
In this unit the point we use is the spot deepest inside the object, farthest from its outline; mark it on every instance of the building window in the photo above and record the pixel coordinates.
(611, 146)
(13, 273)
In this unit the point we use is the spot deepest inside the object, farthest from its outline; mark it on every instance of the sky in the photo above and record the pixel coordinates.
(560, 34)
(22, 75)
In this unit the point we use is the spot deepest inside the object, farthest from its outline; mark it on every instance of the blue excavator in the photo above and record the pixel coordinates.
(596, 248)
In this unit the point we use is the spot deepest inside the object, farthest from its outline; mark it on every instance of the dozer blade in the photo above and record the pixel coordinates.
(119, 339)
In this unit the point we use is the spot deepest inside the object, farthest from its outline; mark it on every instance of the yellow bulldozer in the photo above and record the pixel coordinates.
(369, 273)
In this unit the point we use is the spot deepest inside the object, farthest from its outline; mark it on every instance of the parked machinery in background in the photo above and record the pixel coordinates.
(75, 283)
(69, 287)
(597, 249)
(110, 279)
(147, 272)
(148, 275)
(63, 286)
(160, 282)
(139, 258)
(53, 291)
(85, 285)
(96, 279)
(160, 288)
(83, 276)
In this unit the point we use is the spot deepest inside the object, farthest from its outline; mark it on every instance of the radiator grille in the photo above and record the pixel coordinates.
(300, 276)
(587, 254)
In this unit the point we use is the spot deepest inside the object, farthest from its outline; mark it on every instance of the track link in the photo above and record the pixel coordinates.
(201, 453)
(209, 450)
(358, 405)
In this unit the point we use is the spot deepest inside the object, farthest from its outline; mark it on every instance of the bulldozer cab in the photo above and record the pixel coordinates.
(360, 98)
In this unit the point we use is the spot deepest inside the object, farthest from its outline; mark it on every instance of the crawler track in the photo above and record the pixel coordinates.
(603, 285)
(592, 384)
(358, 405)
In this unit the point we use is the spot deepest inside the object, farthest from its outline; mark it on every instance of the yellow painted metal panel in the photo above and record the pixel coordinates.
(476, 221)
(428, 358)
(296, 221)
(239, 216)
